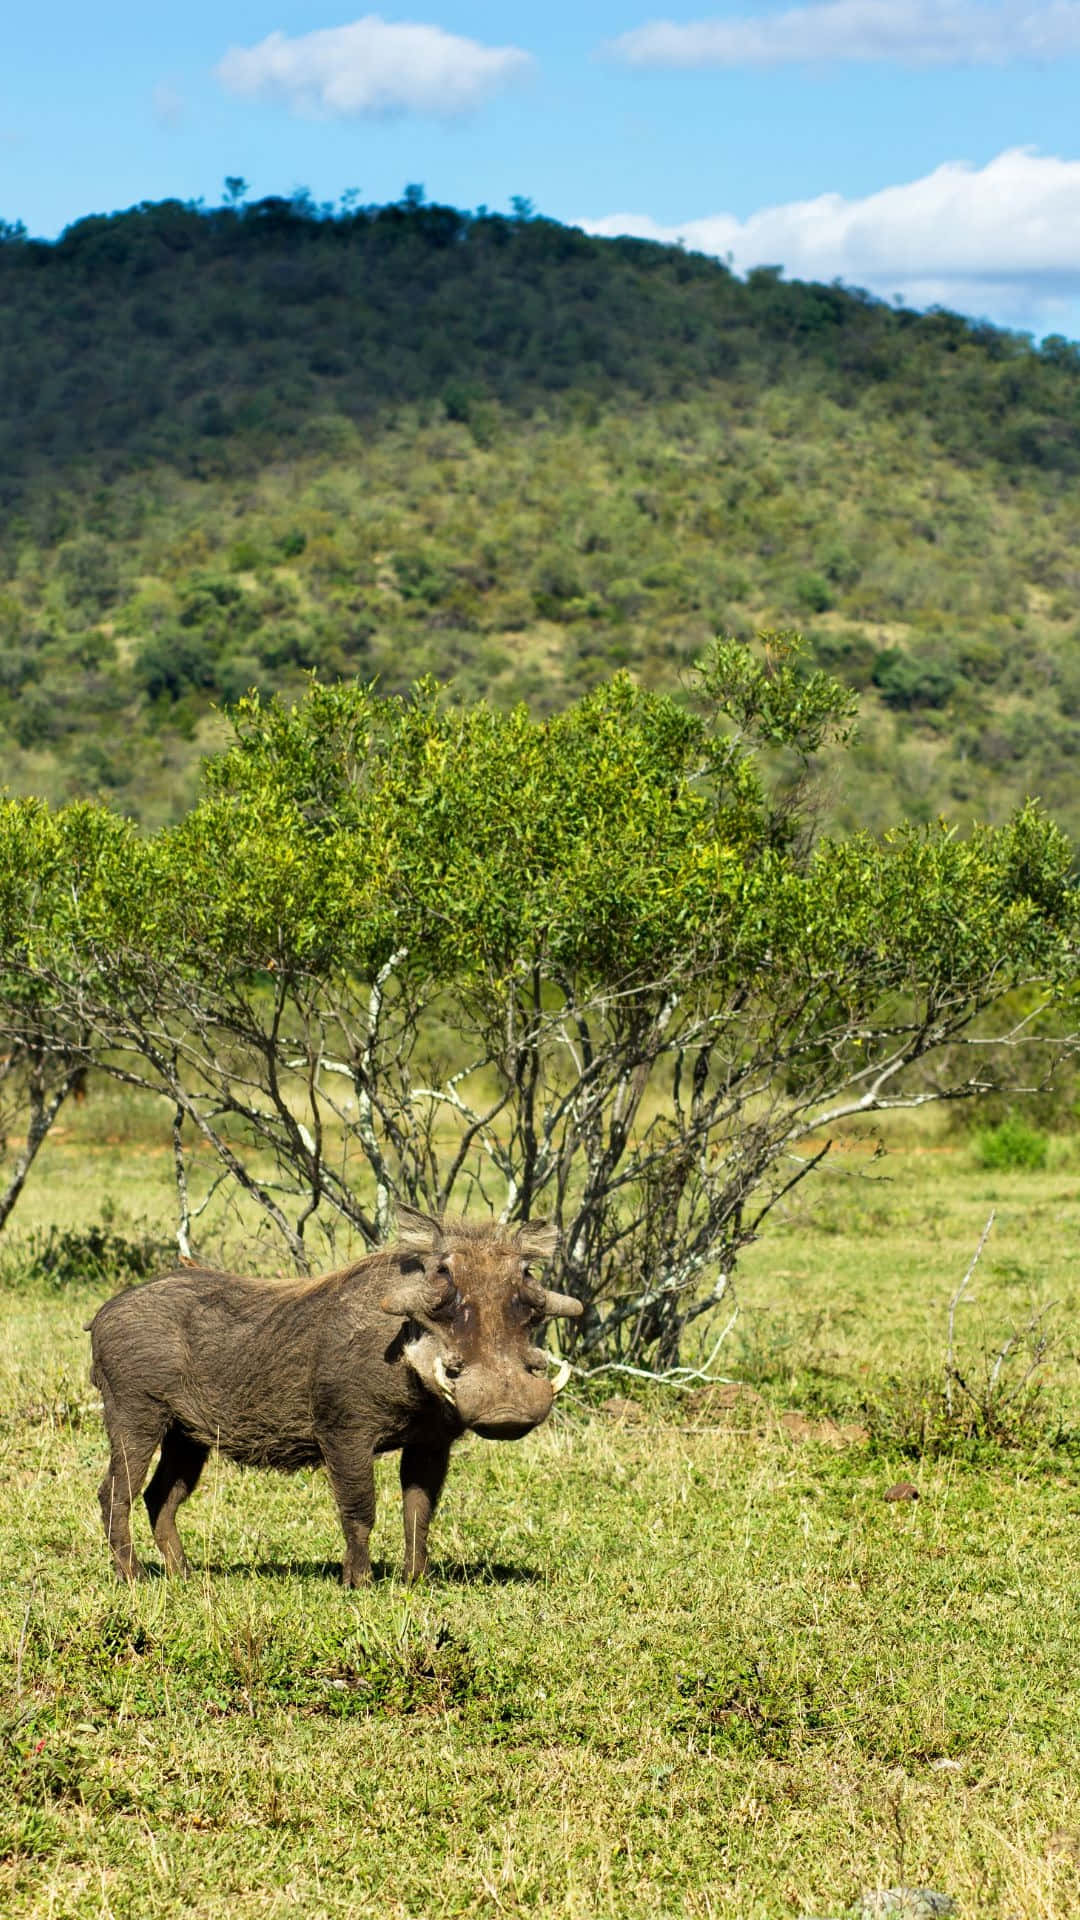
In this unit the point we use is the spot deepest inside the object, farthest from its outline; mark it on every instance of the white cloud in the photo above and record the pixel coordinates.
(1001, 240)
(919, 33)
(370, 67)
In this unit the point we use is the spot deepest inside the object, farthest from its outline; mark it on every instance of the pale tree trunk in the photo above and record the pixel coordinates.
(44, 1104)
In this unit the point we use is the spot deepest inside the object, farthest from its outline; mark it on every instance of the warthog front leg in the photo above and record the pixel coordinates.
(350, 1462)
(423, 1470)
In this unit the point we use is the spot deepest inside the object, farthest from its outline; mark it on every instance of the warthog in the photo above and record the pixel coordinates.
(410, 1347)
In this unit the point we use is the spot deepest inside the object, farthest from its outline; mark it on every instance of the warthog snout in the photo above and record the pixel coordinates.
(503, 1406)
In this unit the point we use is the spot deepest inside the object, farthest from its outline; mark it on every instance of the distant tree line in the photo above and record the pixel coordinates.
(207, 337)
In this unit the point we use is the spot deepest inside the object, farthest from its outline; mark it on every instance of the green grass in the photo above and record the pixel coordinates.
(672, 1660)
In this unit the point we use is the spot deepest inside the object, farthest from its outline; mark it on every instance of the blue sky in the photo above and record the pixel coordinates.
(926, 148)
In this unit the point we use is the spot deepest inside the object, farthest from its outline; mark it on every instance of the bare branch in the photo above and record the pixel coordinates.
(955, 1302)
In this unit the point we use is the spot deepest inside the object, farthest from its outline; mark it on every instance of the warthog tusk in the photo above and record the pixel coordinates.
(561, 1378)
(443, 1380)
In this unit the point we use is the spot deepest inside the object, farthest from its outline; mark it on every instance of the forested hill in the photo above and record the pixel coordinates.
(238, 444)
(160, 332)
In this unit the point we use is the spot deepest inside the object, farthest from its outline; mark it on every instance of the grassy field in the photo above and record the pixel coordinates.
(672, 1659)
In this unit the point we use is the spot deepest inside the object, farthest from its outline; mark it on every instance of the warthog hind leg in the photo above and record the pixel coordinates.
(176, 1475)
(134, 1434)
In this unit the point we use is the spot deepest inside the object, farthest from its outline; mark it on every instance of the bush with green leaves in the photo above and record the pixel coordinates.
(591, 966)
(1013, 1146)
(174, 663)
(90, 573)
(904, 681)
(813, 593)
(60, 1259)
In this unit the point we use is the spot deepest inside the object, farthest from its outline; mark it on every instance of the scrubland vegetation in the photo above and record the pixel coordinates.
(237, 446)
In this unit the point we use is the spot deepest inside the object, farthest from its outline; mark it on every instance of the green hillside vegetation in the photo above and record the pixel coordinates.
(242, 444)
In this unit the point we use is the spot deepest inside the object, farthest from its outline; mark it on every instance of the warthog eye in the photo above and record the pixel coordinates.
(522, 1312)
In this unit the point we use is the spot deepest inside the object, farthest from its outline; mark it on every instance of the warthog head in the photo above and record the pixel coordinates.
(473, 1307)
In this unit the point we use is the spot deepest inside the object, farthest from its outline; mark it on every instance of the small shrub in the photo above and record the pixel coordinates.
(18, 664)
(212, 418)
(980, 659)
(459, 398)
(812, 593)
(82, 1257)
(420, 575)
(207, 596)
(171, 664)
(1012, 1147)
(239, 676)
(840, 566)
(96, 765)
(37, 719)
(849, 656)
(625, 598)
(92, 648)
(557, 588)
(913, 1416)
(287, 645)
(905, 682)
(995, 1402)
(89, 570)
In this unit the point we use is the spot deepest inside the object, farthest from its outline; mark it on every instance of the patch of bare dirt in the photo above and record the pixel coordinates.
(723, 1399)
(731, 1404)
(822, 1433)
(626, 1412)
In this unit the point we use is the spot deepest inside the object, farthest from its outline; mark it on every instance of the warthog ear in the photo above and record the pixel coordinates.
(418, 1232)
(538, 1239)
(414, 1297)
(409, 1300)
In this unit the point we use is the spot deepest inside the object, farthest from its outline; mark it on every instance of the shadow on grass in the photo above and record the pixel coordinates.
(450, 1573)
(483, 1573)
